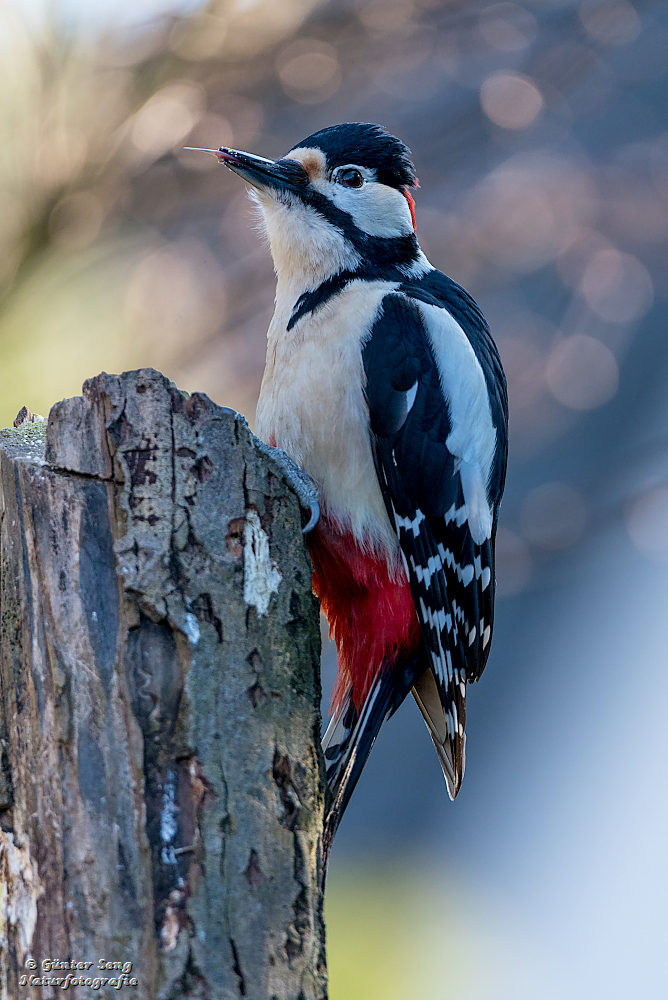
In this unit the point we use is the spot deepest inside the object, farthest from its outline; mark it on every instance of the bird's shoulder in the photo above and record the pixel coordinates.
(433, 288)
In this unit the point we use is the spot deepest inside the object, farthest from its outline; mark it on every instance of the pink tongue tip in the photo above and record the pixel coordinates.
(200, 149)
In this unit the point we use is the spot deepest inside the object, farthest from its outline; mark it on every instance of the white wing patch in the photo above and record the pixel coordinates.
(410, 397)
(472, 438)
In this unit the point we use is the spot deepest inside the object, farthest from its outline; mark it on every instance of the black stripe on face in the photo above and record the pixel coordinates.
(381, 253)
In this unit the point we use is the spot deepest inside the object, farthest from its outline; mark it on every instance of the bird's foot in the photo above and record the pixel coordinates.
(303, 485)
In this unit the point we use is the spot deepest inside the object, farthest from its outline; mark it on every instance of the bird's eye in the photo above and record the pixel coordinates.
(351, 179)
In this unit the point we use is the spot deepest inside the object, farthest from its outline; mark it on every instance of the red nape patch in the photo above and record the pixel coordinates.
(411, 202)
(371, 617)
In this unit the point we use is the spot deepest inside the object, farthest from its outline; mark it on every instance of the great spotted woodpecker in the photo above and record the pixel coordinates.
(383, 383)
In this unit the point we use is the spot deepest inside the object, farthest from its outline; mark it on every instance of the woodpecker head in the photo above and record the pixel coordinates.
(339, 200)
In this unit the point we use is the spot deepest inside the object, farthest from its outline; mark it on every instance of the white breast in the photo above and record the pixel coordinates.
(312, 402)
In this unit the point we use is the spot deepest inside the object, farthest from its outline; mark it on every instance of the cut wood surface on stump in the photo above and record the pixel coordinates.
(161, 780)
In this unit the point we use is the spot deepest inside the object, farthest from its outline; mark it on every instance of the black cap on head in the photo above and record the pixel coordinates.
(366, 145)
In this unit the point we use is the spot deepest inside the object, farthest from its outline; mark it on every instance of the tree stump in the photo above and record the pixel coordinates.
(162, 784)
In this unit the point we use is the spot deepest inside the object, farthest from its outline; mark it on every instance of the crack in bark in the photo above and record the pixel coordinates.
(59, 470)
(254, 874)
(202, 608)
(282, 775)
(241, 983)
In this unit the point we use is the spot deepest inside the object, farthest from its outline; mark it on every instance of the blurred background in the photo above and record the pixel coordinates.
(540, 137)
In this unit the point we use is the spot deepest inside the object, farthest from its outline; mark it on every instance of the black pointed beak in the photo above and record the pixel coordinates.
(266, 175)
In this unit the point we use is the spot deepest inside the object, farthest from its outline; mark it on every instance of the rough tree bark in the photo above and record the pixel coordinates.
(161, 787)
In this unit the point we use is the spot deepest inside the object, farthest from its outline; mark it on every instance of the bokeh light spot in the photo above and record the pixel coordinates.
(508, 27)
(309, 71)
(200, 38)
(616, 286)
(402, 74)
(528, 210)
(511, 100)
(513, 563)
(553, 515)
(611, 22)
(647, 523)
(386, 16)
(167, 117)
(582, 373)
(524, 363)
(574, 258)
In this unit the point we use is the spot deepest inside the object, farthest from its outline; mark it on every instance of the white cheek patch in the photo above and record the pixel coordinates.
(376, 209)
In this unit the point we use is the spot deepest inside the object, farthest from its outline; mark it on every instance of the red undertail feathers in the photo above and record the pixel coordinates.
(369, 608)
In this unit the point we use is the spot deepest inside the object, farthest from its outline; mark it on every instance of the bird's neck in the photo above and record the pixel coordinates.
(306, 249)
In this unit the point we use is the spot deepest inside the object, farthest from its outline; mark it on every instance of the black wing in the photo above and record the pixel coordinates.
(451, 576)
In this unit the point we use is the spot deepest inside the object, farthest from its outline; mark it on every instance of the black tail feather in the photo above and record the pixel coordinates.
(351, 735)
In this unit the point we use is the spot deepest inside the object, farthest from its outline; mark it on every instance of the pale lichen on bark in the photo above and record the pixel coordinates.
(20, 889)
(261, 574)
(160, 693)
